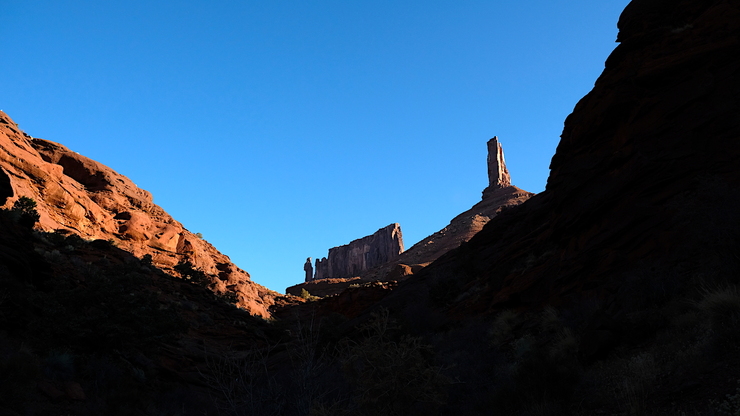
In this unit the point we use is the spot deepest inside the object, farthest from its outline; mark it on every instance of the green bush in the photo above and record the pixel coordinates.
(25, 209)
(188, 272)
(147, 260)
(308, 296)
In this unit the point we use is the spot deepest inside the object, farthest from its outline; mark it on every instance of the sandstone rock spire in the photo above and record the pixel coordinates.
(308, 268)
(498, 175)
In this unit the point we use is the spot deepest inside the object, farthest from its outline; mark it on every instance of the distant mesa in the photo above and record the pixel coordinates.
(358, 256)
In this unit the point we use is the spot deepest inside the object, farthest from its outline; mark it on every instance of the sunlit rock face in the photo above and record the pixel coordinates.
(498, 175)
(75, 194)
(362, 254)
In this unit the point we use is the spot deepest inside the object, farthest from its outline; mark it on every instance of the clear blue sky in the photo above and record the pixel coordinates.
(279, 129)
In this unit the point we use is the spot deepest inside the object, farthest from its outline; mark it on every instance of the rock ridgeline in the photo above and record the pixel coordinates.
(75, 194)
(643, 186)
(360, 255)
(500, 194)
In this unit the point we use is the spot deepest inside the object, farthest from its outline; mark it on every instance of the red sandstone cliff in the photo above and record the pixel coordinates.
(79, 195)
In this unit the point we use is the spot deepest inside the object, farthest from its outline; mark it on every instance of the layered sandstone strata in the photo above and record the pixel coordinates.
(362, 254)
(78, 195)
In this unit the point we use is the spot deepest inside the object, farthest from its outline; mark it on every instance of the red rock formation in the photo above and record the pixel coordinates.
(308, 268)
(362, 254)
(498, 196)
(323, 287)
(79, 195)
(643, 187)
(498, 175)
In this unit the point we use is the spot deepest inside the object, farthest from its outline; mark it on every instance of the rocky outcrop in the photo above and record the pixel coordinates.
(643, 187)
(498, 175)
(362, 254)
(308, 268)
(497, 197)
(75, 194)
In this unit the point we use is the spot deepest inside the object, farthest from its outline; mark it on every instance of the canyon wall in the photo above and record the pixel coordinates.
(75, 194)
(644, 186)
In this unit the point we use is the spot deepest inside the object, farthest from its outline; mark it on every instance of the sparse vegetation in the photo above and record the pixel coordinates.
(730, 406)
(308, 296)
(722, 307)
(188, 272)
(146, 260)
(25, 210)
(392, 372)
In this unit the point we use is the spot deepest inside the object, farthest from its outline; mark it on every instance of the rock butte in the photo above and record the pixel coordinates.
(361, 255)
(499, 195)
(75, 194)
(643, 187)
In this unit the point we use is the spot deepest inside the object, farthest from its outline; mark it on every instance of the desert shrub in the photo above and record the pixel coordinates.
(110, 311)
(722, 307)
(59, 366)
(229, 297)
(314, 372)
(242, 381)
(75, 241)
(305, 294)
(25, 209)
(730, 406)
(392, 373)
(146, 260)
(503, 326)
(542, 368)
(188, 272)
(272, 377)
(56, 237)
(19, 370)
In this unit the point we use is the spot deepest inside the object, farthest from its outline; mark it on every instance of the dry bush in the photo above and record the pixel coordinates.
(242, 382)
(722, 306)
(392, 373)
